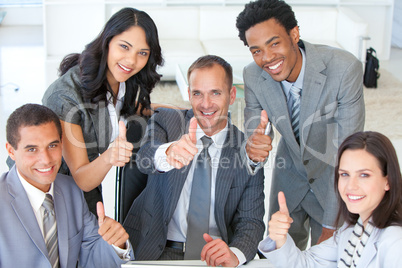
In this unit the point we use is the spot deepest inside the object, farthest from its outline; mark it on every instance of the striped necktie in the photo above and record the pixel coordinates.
(295, 93)
(50, 231)
(200, 202)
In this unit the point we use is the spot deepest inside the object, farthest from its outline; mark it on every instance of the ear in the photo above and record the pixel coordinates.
(387, 184)
(189, 93)
(232, 93)
(10, 151)
(295, 34)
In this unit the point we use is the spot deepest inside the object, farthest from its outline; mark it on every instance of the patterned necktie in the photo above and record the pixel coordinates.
(295, 93)
(200, 201)
(50, 231)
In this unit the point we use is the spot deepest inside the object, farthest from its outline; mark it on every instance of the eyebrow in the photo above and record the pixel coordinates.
(360, 170)
(266, 42)
(147, 49)
(35, 146)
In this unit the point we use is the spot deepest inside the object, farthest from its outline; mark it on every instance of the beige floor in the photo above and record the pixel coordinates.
(23, 76)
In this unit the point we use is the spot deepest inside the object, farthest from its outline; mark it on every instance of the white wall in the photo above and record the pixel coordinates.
(397, 25)
(30, 15)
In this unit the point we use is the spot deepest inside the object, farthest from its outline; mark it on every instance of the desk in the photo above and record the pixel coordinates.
(189, 264)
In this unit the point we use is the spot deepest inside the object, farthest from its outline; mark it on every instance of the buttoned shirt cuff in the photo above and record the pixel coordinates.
(240, 256)
(160, 162)
(124, 254)
(267, 245)
(329, 227)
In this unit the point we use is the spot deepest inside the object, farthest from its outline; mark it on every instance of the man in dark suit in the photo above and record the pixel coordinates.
(313, 95)
(160, 218)
(45, 219)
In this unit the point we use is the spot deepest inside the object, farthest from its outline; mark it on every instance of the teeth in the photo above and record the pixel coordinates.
(124, 68)
(355, 197)
(211, 113)
(45, 169)
(275, 66)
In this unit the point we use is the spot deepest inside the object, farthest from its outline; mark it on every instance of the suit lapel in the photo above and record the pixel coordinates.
(224, 179)
(313, 85)
(277, 109)
(24, 212)
(62, 224)
(177, 177)
(370, 250)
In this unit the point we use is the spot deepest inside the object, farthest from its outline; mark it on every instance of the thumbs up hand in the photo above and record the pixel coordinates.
(259, 143)
(110, 230)
(280, 222)
(120, 150)
(182, 152)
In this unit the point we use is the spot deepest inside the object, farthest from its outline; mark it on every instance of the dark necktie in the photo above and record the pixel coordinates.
(50, 231)
(295, 93)
(200, 201)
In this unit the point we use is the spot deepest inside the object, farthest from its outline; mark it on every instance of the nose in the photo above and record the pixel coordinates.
(267, 55)
(132, 59)
(353, 183)
(45, 157)
(206, 101)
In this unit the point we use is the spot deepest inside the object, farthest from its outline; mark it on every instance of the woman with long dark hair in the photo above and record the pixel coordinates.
(368, 184)
(99, 90)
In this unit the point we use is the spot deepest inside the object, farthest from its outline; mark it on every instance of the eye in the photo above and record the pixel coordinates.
(364, 175)
(52, 146)
(196, 93)
(143, 53)
(255, 52)
(343, 174)
(275, 44)
(124, 46)
(32, 150)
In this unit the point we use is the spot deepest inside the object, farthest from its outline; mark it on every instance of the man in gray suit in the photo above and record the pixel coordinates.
(313, 96)
(45, 219)
(159, 219)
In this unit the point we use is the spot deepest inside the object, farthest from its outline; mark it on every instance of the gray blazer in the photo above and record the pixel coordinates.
(64, 97)
(22, 243)
(383, 249)
(239, 198)
(332, 108)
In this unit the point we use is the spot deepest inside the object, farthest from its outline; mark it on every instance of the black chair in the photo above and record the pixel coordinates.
(130, 182)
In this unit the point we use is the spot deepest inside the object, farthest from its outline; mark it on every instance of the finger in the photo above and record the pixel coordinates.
(263, 120)
(122, 130)
(207, 238)
(192, 130)
(100, 210)
(283, 208)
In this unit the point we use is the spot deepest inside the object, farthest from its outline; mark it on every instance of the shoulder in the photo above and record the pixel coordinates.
(331, 56)
(168, 114)
(392, 233)
(252, 70)
(68, 85)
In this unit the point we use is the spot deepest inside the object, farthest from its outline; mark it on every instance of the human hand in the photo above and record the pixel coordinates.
(182, 152)
(325, 234)
(259, 144)
(120, 150)
(217, 252)
(110, 230)
(280, 222)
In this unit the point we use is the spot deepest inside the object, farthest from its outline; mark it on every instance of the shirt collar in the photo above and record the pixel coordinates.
(120, 95)
(35, 196)
(218, 138)
(300, 79)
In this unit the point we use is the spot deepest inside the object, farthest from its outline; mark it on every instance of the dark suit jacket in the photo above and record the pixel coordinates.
(331, 108)
(239, 198)
(22, 243)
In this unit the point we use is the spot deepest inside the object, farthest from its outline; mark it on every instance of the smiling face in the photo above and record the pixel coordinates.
(210, 97)
(361, 183)
(128, 54)
(274, 50)
(38, 157)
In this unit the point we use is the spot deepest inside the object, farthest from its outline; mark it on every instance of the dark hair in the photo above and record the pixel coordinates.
(262, 10)
(93, 62)
(208, 61)
(29, 115)
(389, 211)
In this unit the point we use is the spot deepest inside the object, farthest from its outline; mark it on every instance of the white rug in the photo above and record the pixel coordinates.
(383, 105)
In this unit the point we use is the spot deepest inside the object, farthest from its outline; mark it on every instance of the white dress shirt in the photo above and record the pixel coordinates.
(177, 228)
